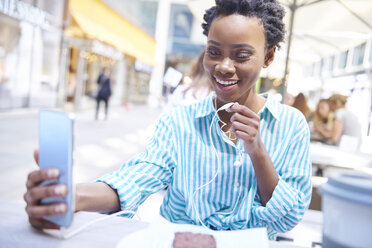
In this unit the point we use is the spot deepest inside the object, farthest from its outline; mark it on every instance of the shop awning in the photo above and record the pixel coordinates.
(95, 20)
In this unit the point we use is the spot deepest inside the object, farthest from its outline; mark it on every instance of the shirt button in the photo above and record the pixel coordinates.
(237, 185)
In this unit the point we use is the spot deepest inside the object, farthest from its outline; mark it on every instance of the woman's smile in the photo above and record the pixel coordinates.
(226, 84)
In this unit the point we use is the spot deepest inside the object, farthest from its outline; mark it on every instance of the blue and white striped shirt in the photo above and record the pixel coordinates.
(180, 156)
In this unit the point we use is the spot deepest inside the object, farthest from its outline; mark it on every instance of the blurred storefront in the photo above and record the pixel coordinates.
(99, 37)
(30, 40)
(84, 60)
(185, 41)
(52, 51)
(185, 38)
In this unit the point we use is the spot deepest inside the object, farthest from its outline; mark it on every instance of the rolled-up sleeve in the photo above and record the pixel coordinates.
(148, 172)
(291, 196)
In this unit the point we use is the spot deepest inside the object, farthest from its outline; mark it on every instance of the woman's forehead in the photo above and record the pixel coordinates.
(235, 29)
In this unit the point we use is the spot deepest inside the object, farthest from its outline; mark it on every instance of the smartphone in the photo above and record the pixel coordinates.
(56, 141)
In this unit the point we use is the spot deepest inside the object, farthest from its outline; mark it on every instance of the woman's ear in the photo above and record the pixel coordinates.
(269, 57)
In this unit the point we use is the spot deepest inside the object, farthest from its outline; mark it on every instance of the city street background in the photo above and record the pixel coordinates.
(100, 147)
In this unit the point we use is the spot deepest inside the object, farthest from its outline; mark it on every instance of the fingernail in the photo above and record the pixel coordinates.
(60, 208)
(60, 190)
(28, 198)
(52, 173)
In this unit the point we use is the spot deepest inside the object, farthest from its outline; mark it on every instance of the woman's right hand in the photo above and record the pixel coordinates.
(35, 192)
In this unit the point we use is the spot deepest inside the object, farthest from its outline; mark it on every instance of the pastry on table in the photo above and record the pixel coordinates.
(193, 240)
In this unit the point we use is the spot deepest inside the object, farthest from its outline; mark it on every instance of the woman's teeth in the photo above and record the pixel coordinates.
(220, 81)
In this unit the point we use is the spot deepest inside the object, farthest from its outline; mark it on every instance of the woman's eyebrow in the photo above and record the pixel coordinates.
(214, 43)
(242, 45)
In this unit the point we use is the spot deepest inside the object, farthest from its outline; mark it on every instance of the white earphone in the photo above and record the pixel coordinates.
(227, 105)
(237, 163)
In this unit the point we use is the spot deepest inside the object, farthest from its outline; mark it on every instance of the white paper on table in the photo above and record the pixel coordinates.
(160, 234)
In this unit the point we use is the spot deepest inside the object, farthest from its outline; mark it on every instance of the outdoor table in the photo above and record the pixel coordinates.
(326, 156)
(17, 232)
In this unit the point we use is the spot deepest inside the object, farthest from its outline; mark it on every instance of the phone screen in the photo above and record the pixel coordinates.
(56, 151)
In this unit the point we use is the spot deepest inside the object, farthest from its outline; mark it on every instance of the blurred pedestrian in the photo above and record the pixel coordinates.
(194, 87)
(323, 120)
(300, 103)
(344, 121)
(71, 84)
(234, 160)
(104, 91)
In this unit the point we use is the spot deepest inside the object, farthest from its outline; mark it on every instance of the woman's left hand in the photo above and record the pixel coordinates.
(245, 124)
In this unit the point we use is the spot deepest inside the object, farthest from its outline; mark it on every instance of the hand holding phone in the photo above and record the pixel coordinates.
(56, 151)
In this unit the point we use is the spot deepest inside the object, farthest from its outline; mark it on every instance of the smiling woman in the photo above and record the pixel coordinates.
(258, 177)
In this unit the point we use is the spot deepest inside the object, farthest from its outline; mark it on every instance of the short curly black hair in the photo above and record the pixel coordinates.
(270, 12)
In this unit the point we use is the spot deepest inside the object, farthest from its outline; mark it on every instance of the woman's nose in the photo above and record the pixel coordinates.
(226, 66)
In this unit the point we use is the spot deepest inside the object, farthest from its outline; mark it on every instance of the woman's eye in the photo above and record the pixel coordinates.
(213, 52)
(243, 55)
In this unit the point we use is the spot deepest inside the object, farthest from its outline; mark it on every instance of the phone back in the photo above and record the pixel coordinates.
(56, 151)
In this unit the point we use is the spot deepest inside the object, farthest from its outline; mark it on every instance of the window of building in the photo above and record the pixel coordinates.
(358, 55)
(343, 59)
(181, 21)
(331, 63)
(318, 68)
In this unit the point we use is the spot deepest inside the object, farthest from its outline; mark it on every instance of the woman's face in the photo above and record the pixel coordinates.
(235, 55)
(323, 110)
(334, 105)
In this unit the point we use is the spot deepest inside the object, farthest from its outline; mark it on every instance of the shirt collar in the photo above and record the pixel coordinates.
(272, 105)
(206, 106)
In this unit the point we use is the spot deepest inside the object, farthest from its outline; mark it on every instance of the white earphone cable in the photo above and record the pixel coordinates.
(66, 235)
(218, 166)
(215, 175)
